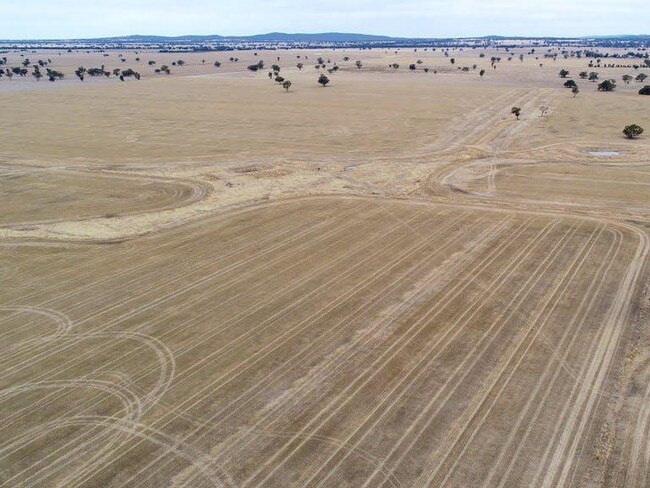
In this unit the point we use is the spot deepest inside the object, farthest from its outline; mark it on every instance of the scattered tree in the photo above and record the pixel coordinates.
(645, 90)
(607, 86)
(516, 111)
(632, 131)
(570, 84)
(359, 65)
(323, 80)
(80, 72)
(564, 73)
(575, 90)
(481, 73)
(543, 110)
(627, 79)
(286, 85)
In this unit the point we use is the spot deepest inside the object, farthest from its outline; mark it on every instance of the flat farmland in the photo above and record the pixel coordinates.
(32, 195)
(320, 342)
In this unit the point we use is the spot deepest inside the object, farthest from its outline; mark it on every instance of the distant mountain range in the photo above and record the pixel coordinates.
(323, 37)
(270, 37)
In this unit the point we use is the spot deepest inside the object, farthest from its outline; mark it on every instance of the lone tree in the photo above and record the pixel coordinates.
(286, 85)
(607, 86)
(564, 73)
(645, 90)
(632, 131)
(575, 90)
(516, 111)
(323, 80)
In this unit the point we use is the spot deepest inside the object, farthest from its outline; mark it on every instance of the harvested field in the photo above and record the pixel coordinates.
(387, 282)
(280, 345)
(37, 195)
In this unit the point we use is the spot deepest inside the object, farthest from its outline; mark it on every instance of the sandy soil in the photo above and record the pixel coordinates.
(390, 281)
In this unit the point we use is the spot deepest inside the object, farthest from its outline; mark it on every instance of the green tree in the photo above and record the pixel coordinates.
(607, 86)
(632, 131)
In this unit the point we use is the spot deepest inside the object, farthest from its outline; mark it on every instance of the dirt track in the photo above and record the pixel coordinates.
(468, 310)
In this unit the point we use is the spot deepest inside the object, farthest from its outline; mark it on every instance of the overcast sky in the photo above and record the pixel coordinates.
(38, 19)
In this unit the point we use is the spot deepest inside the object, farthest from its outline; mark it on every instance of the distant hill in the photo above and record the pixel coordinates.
(324, 38)
(270, 37)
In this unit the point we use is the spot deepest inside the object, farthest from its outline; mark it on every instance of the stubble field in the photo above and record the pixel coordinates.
(386, 282)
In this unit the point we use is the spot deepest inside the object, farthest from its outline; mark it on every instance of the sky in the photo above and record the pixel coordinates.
(67, 19)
